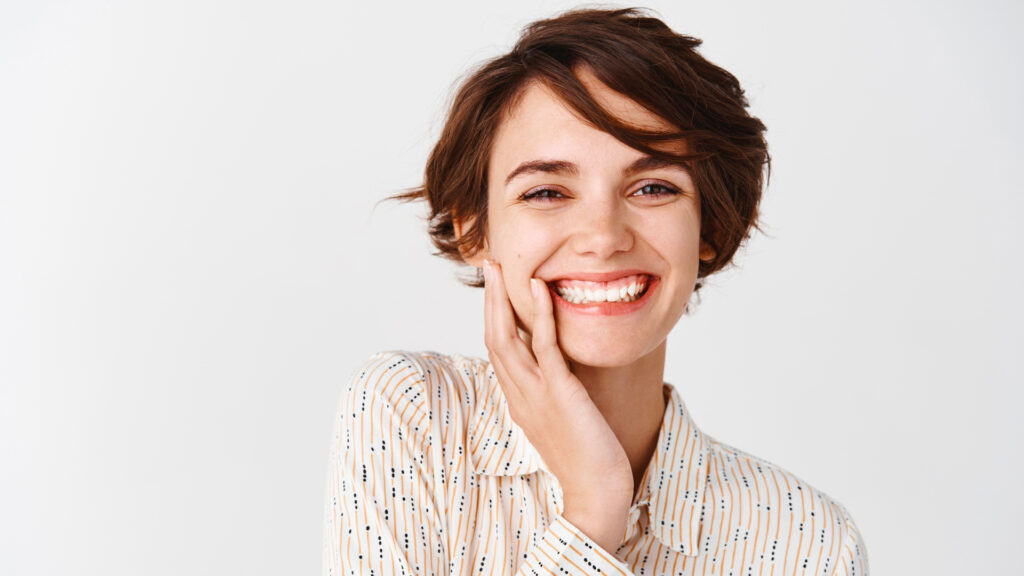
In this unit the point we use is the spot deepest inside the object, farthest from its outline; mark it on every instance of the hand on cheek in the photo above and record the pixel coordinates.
(555, 411)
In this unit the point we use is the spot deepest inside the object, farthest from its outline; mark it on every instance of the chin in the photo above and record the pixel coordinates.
(602, 355)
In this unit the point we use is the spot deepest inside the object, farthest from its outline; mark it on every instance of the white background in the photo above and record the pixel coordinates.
(191, 265)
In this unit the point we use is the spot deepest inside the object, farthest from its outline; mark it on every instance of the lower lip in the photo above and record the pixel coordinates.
(606, 308)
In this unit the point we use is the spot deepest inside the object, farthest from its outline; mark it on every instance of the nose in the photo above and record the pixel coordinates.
(601, 228)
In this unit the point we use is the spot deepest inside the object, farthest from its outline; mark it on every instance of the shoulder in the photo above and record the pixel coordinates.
(424, 367)
(807, 525)
(427, 381)
(766, 482)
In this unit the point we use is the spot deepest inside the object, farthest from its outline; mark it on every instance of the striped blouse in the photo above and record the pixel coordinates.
(430, 475)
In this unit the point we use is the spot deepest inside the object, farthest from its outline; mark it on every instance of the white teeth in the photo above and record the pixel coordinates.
(577, 295)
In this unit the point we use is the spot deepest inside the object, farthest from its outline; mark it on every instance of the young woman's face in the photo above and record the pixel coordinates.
(614, 234)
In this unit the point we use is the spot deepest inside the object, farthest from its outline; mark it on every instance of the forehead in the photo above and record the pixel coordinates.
(540, 122)
(619, 105)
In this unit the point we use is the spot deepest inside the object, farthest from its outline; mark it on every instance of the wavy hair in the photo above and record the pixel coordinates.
(638, 56)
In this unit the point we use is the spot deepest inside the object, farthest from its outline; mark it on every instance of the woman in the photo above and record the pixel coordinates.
(595, 174)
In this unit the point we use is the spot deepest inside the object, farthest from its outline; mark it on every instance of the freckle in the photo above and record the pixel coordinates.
(519, 255)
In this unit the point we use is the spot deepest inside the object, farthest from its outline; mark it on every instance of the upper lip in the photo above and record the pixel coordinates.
(600, 276)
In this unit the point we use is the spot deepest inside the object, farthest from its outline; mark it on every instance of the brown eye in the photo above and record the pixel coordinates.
(654, 189)
(542, 194)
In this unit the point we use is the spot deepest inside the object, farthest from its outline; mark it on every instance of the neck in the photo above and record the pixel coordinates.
(631, 398)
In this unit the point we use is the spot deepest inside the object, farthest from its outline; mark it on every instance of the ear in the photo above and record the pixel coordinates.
(707, 251)
(476, 258)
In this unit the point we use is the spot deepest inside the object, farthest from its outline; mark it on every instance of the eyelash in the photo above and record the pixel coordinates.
(665, 189)
(540, 193)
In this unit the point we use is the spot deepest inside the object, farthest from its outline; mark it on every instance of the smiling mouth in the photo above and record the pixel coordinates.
(621, 290)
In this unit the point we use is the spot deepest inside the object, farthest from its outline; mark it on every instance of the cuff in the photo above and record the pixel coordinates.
(565, 549)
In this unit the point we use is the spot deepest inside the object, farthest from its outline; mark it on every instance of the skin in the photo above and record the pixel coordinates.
(586, 389)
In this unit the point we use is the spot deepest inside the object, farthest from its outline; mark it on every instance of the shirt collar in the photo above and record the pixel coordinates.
(673, 485)
(497, 445)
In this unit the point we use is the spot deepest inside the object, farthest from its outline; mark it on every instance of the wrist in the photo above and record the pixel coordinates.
(603, 521)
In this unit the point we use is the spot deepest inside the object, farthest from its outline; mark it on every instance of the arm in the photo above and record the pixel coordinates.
(555, 411)
(565, 549)
(381, 515)
(853, 558)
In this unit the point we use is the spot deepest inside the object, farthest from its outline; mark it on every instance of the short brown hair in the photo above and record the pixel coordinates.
(638, 56)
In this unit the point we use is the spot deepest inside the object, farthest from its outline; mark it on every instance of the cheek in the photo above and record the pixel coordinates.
(521, 246)
(677, 239)
(523, 243)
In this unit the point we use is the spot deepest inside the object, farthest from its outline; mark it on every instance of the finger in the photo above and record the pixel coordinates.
(501, 337)
(502, 313)
(488, 306)
(507, 383)
(545, 339)
(498, 314)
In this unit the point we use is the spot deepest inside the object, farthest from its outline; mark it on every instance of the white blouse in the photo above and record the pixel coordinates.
(430, 475)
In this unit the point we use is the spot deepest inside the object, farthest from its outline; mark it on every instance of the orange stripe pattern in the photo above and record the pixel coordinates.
(429, 474)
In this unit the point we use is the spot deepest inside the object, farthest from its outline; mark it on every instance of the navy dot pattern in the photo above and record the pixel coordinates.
(429, 474)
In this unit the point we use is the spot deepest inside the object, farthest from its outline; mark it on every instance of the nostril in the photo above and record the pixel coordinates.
(603, 241)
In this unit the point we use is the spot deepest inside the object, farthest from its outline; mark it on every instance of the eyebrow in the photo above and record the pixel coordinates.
(545, 166)
(651, 163)
(565, 167)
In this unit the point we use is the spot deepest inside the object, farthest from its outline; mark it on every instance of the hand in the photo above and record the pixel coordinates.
(555, 411)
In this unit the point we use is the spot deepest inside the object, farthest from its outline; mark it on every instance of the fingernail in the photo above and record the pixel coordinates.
(535, 287)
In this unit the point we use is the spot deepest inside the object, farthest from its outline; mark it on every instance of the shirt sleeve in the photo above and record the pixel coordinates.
(853, 558)
(383, 515)
(564, 549)
(380, 516)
